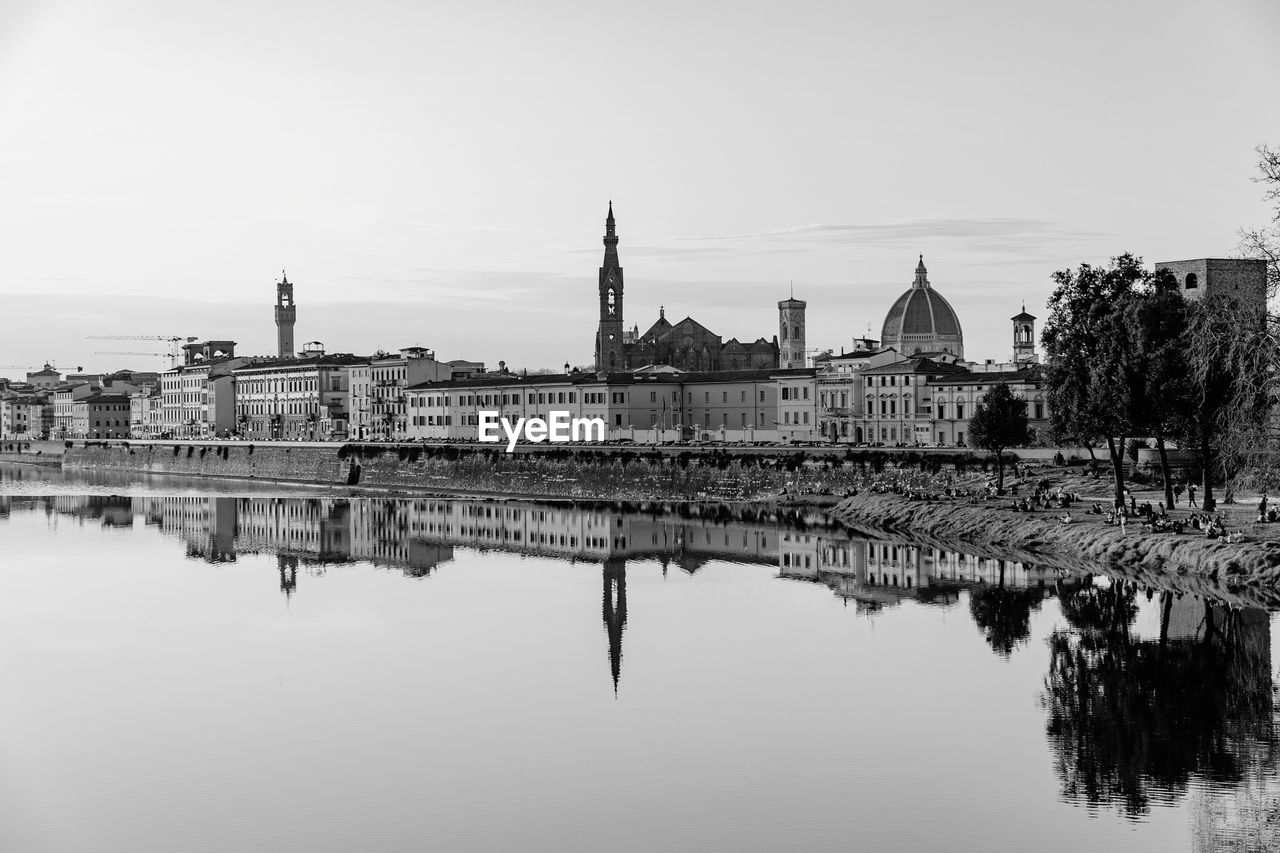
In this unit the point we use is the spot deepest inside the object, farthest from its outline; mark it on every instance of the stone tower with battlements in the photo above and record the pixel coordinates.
(286, 315)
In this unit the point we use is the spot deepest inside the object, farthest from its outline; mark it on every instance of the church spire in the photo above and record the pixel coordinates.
(922, 275)
(610, 240)
(610, 355)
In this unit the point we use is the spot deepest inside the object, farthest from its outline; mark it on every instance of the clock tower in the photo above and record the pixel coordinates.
(609, 352)
(286, 315)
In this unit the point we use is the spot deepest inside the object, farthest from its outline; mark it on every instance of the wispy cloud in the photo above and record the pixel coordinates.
(1001, 235)
(1006, 233)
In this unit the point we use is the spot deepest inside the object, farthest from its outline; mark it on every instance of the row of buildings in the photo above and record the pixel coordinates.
(673, 382)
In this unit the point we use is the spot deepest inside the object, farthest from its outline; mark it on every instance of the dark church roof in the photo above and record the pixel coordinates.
(920, 311)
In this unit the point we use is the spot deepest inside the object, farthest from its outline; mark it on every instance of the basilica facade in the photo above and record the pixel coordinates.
(686, 345)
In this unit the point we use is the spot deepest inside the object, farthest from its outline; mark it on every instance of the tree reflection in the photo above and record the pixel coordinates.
(1131, 721)
(1003, 614)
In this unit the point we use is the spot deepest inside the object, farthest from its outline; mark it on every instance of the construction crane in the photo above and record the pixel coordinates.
(48, 365)
(121, 352)
(175, 342)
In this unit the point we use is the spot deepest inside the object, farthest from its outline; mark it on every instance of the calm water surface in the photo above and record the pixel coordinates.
(216, 667)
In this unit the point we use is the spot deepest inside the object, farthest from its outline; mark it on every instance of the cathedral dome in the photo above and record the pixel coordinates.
(922, 321)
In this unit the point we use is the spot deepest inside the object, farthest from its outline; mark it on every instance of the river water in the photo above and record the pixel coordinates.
(196, 666)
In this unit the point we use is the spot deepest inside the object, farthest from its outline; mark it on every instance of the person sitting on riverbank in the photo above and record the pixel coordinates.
(1096, 509)
(1067, 519)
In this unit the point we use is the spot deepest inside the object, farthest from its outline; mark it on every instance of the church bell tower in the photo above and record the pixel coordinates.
(609, 352)
(1024, 338)
(286, 314)
(791, 351)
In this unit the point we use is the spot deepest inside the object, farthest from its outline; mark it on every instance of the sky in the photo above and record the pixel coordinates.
(438, 173)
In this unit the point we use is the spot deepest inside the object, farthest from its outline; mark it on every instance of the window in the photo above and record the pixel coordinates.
(653, 396)
(761, 396)
(806, 392)
(1193, 281)
(784, 392)
(959, 416)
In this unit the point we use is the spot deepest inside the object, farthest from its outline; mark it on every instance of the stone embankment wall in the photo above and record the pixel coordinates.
(1209, 566)
(591, 474)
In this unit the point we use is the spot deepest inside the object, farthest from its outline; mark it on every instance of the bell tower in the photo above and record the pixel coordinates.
(286, 314)
(791, 351)
(609, 351)
(1024, 338)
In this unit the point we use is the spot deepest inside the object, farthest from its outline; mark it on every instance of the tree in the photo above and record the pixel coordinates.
(1082, 334)
(1146, 365)
(1232, 350)
(1264, 242)
(999, 423)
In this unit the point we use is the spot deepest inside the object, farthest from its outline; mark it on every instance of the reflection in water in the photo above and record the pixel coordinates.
(1135, 721)
(1132, 720)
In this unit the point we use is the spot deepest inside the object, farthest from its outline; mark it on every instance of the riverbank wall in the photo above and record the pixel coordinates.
(617, 473)
(1087, 545)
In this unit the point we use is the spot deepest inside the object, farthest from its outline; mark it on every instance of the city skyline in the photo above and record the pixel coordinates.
(438, 175)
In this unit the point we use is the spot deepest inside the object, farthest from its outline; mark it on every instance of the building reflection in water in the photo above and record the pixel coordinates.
(1130, 720)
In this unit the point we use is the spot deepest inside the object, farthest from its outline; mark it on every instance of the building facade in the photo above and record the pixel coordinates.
(25, 416)
(294, 399)
(651, 407)
(101, 416)
(198, 396)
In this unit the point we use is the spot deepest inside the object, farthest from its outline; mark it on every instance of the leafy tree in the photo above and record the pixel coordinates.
(1153, 382)
(1000, 423)
(1083, 333)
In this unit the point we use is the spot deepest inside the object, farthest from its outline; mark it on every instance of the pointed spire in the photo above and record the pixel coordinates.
(609, 219)
(662, 312)
(922, 277)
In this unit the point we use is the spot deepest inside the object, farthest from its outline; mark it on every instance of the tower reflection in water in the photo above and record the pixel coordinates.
(1134, 716)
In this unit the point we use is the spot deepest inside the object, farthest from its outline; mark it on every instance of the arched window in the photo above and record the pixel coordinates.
(1192, 281)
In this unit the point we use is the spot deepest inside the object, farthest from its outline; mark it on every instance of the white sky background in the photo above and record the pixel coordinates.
(437, 173)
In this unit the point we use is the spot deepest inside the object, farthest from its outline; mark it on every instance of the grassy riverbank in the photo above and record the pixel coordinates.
(1087, 544)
